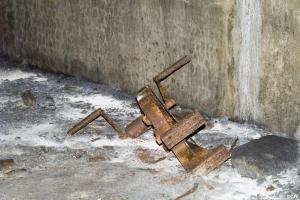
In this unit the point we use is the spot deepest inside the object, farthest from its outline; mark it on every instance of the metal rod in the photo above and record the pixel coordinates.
(91, 117)
(167, 72)
(172, 68)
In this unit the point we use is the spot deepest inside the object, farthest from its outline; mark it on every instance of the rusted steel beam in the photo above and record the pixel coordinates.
(136, 128)
(215, 158)
(155, 112)
(182, 129)
(181, 114)
(193, 157)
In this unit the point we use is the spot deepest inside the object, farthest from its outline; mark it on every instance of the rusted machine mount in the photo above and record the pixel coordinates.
(171, 132)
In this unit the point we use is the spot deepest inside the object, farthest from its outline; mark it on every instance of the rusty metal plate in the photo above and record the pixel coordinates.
(182, 129)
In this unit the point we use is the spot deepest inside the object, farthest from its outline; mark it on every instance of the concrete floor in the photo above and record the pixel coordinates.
(95, 164)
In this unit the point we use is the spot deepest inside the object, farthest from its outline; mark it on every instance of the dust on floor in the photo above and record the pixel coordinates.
(95, 164)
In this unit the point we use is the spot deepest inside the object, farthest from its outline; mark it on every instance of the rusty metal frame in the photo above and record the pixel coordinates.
(174, 134)
(170, 131)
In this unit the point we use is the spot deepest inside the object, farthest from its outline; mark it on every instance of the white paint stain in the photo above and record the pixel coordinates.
(249, 59)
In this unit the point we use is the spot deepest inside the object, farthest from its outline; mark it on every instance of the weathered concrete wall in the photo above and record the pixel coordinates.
(279, 94)
(125, 43)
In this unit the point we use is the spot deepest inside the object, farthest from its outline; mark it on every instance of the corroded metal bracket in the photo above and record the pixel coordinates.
(173, 134)
(170, 131)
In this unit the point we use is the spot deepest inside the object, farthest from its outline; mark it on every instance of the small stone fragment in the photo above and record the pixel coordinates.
(78, 154)
(270, 188)
(84, 112)
(6, 165)
(70, 87)
(268, 155)
(96, 158)
(47, 103)
(28, 98)
(95, 139)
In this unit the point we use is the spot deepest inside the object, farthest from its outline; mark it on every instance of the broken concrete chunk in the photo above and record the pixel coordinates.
(268, 155)
(28, 98)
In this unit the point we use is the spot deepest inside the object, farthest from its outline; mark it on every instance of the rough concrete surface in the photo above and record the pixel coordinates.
(280, 80)
(265, 156)
(95, 164)
(245, 57)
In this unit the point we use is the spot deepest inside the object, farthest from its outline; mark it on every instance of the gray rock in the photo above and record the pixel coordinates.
(28, 98)
(268, 155)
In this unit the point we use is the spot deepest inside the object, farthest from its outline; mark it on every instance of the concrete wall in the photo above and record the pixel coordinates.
(244, 52)
(279, 94)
